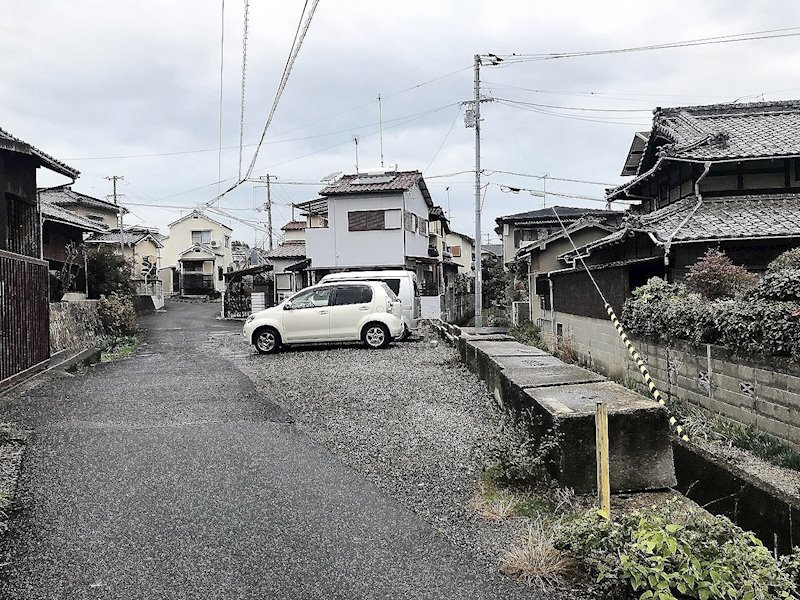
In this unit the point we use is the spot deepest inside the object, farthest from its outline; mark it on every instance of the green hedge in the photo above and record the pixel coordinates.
(765, 321)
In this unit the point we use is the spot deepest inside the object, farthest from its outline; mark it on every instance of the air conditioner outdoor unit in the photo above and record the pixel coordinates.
(214, 244)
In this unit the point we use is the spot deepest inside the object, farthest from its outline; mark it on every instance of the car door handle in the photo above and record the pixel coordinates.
(365, 308)
(323, 312)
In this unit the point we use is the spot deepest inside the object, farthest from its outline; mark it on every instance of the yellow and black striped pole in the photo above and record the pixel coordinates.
(643, 370)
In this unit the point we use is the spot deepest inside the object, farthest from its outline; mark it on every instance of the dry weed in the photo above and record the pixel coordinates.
(497, 508)
(535, 561)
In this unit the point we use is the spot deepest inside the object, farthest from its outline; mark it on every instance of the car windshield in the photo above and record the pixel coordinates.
(389, 292)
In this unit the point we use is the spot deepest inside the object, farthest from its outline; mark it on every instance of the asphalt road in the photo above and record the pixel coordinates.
(167, 476)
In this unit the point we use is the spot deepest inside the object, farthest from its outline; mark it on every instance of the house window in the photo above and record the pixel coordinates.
(408, 221)
(524, 235)
(227, 241)
(201, 237)
(193, 266)
(455, 251)
(97, 218)
(373, 220)
(423, 227)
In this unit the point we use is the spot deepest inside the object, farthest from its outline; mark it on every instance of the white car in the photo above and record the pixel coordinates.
(335, 312)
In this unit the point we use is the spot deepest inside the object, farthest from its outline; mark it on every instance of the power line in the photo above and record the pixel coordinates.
(581, 108)
(447, 135)
(490, 172)
(722, 39)
(612, 121)
(244, 78)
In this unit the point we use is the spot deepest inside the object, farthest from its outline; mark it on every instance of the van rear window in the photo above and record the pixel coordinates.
(394, 284)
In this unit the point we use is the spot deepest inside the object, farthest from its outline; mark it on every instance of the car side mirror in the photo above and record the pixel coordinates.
(287, 306)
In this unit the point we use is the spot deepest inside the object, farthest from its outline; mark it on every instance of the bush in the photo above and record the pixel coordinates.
(117, 315)
(759, 327)
(528, 333)
(516, 457)
(714, 276)
(783, 285)
(108, 273)
(671, 551)
(788, 260)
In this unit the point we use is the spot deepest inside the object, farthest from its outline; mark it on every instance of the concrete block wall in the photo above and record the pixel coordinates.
(752, 390)
(74, 324)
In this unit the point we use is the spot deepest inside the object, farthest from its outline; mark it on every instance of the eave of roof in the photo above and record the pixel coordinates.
(12, 143)
(200, 215)
(56, 214)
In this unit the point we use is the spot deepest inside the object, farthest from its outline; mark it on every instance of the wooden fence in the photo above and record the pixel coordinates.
(24, 314)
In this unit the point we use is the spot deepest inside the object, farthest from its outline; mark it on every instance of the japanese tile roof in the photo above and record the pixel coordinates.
(588, 221)
(545, 215)
(374, 183)
(14, 144)
(64, 195)
(130, 236)
(288, 250)
(294, 226)
(56, 214)
(718, 218)
(496, 249)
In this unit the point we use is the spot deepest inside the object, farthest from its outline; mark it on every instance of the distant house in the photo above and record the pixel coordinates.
(196, 255)
(140, 246)
(61, 228)
(462, 252)
(374, 220)
(725, 176)
(521, 229)
(24, 301)
(294, 231)
(94, 209)
(289, 266)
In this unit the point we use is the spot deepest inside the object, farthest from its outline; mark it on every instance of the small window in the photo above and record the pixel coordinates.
(201, 237)
(220, 271)
(423, 227)
(455, 251)
(353, 294)
(227, 241)
(394, 284)
(366, 220)
(408, 221)
(97, 218)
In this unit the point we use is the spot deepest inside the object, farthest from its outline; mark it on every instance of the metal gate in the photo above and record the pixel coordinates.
(24, 314)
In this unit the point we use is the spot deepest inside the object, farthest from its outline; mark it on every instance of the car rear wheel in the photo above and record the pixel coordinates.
(376, 335)
(266, 340)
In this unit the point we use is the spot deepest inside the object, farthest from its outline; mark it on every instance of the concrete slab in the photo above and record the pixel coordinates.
(549, 375)
(507, 348)
(640, 451)
(484, 331)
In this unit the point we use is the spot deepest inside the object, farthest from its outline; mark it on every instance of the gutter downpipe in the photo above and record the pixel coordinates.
(668, 243)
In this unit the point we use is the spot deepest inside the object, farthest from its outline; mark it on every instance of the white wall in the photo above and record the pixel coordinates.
(337, 247)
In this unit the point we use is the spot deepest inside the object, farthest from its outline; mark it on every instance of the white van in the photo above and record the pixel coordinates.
(402, 283)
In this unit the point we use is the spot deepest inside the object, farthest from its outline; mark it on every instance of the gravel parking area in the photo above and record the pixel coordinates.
(410, 418)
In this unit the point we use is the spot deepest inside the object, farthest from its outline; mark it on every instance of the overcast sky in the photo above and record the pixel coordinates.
(98, 84)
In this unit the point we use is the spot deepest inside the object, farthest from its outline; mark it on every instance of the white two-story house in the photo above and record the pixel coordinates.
(373, 220)
(196, 255)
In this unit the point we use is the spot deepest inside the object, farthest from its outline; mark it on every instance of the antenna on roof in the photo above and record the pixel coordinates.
(355, 141)
(380, 127)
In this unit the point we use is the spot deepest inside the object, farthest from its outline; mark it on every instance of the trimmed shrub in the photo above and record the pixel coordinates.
(108, 273)
(117, 315)
(760, 327)
(714, 276)
(788, 260)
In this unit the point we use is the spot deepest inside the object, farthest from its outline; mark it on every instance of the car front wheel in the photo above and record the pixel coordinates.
(267, 340)
(376, 335)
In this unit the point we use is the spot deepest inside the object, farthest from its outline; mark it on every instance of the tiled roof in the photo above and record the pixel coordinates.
(496, 249)
(288, 250)
(14, 144)
(588, 221)
(725, 131)
(399, 181)
(129, 237)
(721, 218)
(200, 215)
(56, 214)
(294, 226)
(545, 215)
(64, 195)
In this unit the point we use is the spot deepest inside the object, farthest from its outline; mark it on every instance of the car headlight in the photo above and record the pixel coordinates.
(250, 318)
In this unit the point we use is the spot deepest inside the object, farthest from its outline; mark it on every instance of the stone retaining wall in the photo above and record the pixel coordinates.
(763, 391)
(74, 324)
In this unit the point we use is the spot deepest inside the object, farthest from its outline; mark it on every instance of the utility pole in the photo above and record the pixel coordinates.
(474, 120)
(478, 273)
(113, 179)
(268, 206)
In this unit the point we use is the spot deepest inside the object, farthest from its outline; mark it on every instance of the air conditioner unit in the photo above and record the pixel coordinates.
(214, 244)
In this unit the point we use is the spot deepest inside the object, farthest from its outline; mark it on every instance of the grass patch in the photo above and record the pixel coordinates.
(528, 334)
(118, 347)
(535, 561)
(497, 501)
(701, 423)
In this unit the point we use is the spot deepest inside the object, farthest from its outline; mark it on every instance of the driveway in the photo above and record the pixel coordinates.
(168, 475)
